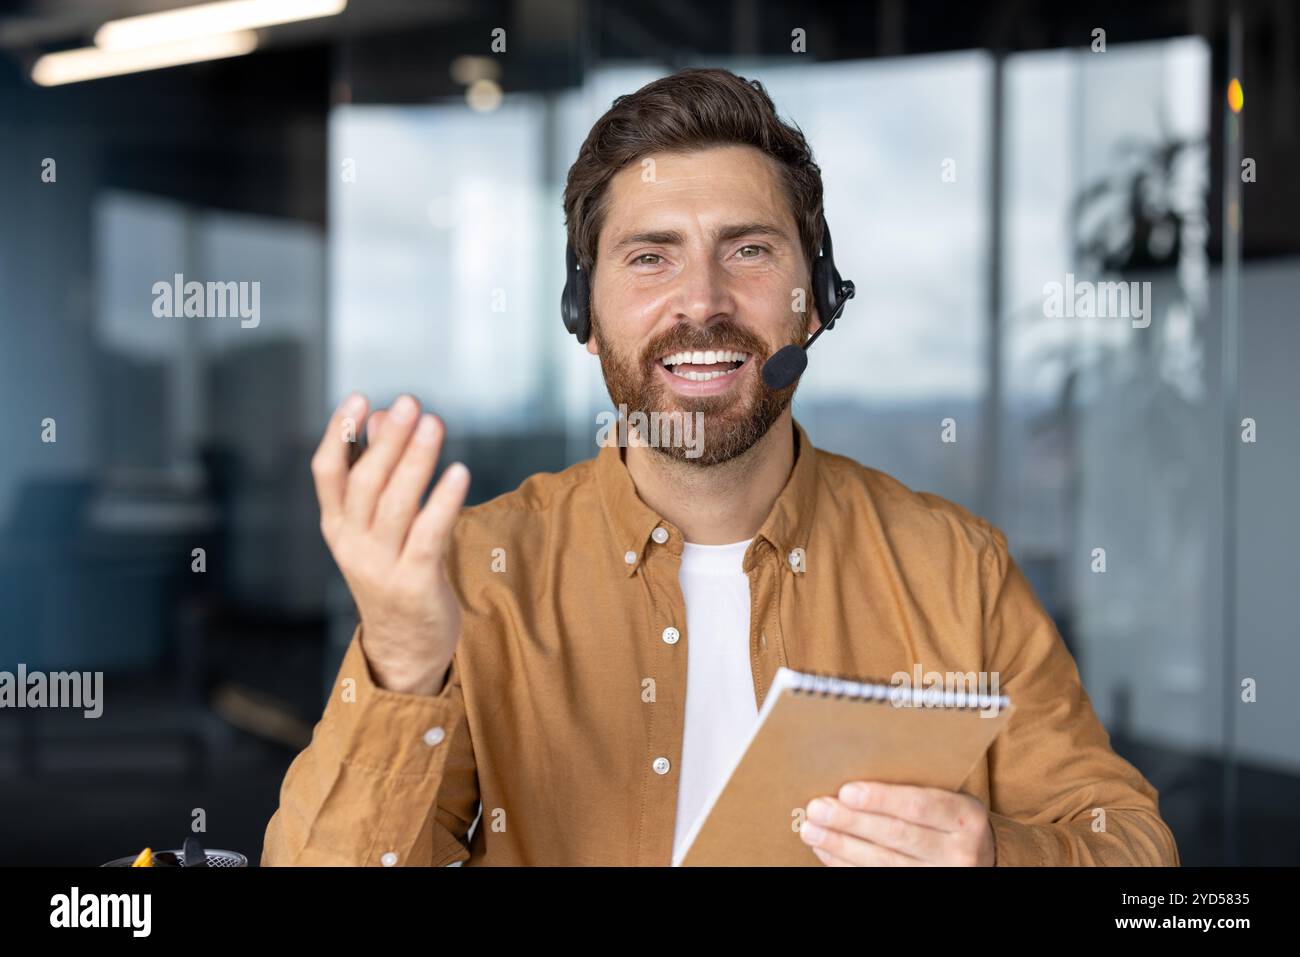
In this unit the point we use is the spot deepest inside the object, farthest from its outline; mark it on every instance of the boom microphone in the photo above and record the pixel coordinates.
(780, 371)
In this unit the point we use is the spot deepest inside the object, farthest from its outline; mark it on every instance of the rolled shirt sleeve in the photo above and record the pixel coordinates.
(1059, 794)
(364, 792)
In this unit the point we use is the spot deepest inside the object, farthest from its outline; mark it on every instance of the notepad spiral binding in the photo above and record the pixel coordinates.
(827, 685)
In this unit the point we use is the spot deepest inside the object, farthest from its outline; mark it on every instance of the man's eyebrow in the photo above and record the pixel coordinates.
(726, 233)
(671, 237)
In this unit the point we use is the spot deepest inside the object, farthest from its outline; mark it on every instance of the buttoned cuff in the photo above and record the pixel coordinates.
(390, 732)
(1017, 844)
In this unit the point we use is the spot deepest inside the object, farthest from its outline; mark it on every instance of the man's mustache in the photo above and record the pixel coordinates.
(689, 338)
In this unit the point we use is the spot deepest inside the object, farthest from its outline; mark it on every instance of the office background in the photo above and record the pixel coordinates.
(394, 186)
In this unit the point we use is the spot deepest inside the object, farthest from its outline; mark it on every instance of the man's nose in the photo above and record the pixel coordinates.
(704, 292)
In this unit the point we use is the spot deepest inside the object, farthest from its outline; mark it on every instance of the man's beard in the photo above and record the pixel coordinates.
(732, 422)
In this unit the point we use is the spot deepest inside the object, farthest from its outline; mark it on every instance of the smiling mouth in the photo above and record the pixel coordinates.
(703, 366)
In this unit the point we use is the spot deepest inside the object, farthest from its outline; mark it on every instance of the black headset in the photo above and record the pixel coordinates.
(830, 292)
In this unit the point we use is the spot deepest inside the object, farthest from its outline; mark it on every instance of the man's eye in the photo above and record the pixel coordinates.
(644, 256)
(758, 250)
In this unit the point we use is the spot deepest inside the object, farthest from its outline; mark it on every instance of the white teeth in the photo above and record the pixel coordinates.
(704, 358)
(701, 376)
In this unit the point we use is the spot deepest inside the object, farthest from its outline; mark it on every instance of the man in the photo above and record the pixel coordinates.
(582, 657)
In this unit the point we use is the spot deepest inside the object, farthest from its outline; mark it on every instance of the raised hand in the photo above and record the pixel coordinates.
(389, 548)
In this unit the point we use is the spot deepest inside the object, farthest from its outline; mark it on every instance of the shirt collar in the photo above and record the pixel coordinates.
(787, 526)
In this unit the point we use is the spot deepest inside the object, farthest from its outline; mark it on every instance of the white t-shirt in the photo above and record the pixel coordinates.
(720, 706)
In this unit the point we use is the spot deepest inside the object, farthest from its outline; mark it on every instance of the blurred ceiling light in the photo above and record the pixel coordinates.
(483, 96)
(1236, 98)
(208, 19)
(467, 69)
(92, 63)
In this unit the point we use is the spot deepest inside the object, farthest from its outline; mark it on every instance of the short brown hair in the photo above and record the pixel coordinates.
(691, 109)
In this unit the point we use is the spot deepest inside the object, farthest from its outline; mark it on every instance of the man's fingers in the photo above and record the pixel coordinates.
(914, 840)
(400, 499)
(432, 527)
(933, 807)
(372, 471)
(374, 423)
(830, 860)
(329, 463)
(852, 850)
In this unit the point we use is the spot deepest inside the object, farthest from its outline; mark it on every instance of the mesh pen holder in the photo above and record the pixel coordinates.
(215, 858)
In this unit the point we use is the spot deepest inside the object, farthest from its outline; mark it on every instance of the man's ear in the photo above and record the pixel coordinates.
(591, 344)
(815, 323)
(814, 317)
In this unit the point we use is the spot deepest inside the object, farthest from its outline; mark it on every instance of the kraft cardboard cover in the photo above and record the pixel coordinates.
(807, 744)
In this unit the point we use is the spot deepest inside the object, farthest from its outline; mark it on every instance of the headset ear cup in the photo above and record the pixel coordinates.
(828, 290)
(824, 288)
(584, 306)
(573, 298)
(568, 311)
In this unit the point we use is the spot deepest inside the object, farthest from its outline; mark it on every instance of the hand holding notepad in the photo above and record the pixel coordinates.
(816, 733)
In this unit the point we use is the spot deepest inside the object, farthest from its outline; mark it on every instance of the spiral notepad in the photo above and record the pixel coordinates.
(817, 732)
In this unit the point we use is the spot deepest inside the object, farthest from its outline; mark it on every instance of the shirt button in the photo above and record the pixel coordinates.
(798, 560)
(434, 736)
(661, 765)
(660, 534)
(671, 635)
(389, 859)
(629, 557)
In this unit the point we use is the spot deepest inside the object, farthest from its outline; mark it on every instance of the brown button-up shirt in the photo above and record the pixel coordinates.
(564, 695)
